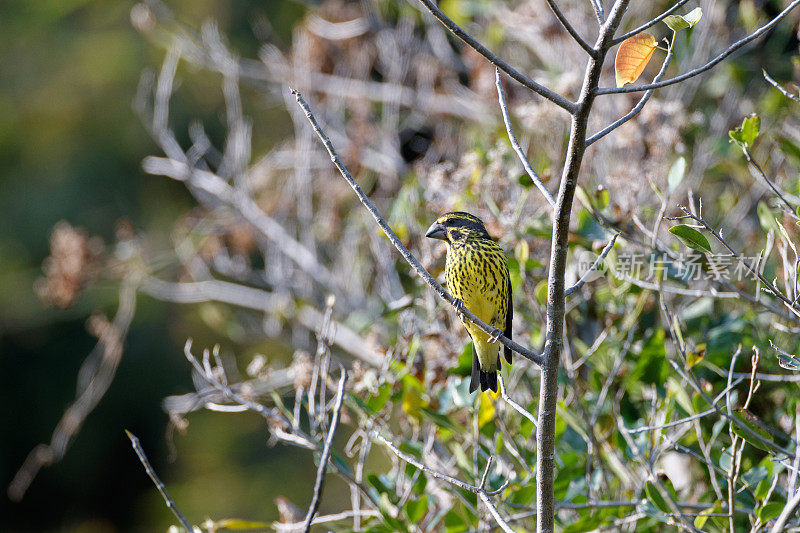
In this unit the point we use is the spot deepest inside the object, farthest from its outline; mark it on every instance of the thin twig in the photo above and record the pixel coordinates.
(649, 24)
(137, 447)
(674, 423)
(517, 407)
(708, 66)
(480, 491)
(541, 90)
(780, 87)
(597, 7)
(594, 266)
(790, 209)
(326, 452)
(512, 138)
(732, 472)
(570, 29)
(395, 240)
(260, 300)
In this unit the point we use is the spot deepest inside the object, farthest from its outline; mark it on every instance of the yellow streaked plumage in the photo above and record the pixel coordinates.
(477, 274)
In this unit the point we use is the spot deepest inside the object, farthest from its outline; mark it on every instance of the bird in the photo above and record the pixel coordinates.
(476, 272)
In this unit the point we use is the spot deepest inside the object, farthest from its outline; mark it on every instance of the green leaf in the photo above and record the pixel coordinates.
(676, 173)
(453, 523)
(377, 402)
(754, 423)
(765, 216)
(655, 497)
(415, 510)
(769, 511)
(788, 361)
(540, 292)
(439, 419)
(702, 517)
(602, 196)
(691, 237)
(746, 134)
(693, 16)
(381, 482)
(755, 475)
(681, 22)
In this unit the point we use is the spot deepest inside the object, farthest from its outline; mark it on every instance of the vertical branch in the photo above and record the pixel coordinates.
(326, 453)
(548, 391)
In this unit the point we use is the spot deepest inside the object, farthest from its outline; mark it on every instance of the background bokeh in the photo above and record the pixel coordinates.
(71, 148)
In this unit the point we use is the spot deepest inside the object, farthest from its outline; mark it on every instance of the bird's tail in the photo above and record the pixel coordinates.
(486, 379)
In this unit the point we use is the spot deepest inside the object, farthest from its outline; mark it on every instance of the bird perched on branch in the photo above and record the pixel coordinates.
(477, 276)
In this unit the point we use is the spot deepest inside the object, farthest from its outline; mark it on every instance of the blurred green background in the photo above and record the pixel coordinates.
(70, 149)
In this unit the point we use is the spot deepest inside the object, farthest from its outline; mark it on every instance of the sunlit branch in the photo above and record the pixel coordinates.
(517, 407)
(512, 138)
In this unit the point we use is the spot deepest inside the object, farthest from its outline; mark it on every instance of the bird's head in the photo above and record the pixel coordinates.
(457, 227)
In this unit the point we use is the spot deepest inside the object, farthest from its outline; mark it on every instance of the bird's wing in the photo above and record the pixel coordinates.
(509, 319)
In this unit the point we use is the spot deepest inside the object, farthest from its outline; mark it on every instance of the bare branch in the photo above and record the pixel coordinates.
(326, 451)
(501, 96)
(571, 30)
(789, 208)
(708, 66)
(259, 300)
(649, 24)
(247, 208)
(159, 485)
(780, 87)
(791, 507)
(480, 491)
(594, 266)
(517, 407)
(597, 7)
(541, 90)
(410, 259)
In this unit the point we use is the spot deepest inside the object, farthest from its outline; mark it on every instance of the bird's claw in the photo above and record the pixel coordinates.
(495, 335)
(458, 305)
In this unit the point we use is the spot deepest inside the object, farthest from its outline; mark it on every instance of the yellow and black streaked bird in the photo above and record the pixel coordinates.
(477, 275)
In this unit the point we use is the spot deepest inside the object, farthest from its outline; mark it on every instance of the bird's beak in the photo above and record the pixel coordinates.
(436, 231)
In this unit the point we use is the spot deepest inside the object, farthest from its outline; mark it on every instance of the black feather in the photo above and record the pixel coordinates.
(476, 369)
(509, 320)
(491, 380)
